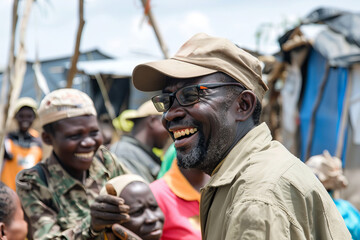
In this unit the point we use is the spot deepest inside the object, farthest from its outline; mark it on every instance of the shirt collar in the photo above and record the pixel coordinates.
(31, 133)
(179, 185)
(230, 166)
(65, 182)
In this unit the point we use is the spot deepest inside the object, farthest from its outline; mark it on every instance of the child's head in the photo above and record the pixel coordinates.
(68, 118)
(146, 218)
(12, 223)
(24, 112)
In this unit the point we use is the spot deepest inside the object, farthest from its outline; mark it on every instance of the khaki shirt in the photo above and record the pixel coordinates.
(261, 191)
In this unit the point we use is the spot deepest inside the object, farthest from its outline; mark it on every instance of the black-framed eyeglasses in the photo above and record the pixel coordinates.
(185, 96)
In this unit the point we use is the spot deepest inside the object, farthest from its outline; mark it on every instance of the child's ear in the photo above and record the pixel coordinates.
(46, 138)
(2, 231)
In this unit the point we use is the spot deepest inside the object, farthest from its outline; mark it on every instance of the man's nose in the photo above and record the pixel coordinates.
(175, 111)
(150, 216)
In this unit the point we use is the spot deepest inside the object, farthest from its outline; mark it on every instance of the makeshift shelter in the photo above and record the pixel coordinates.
(321, 92)
(54, 72)
(116, 75)
(95, 70)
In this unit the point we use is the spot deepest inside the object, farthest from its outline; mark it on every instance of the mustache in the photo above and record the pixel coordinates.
(182, 122)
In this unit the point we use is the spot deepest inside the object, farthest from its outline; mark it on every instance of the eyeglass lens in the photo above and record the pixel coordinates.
(185, 96)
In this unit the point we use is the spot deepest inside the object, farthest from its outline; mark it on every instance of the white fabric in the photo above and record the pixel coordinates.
(290, 95)
(355, 103)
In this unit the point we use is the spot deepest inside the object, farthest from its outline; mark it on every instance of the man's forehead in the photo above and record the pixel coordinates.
(172, 84)
(176, 83)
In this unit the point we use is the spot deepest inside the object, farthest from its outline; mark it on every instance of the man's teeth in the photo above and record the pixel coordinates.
(84, 155)
(183, 132)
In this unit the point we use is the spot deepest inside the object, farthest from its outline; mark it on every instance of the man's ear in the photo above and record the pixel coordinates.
(246, 103)
(46, 138)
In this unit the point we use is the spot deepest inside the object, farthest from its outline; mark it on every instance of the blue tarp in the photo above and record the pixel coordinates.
(328, 115)
(351, 217)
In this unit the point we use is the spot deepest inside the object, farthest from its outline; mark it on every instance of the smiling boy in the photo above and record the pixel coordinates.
(60, 196)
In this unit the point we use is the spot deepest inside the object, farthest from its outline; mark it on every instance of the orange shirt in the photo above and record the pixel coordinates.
(26, 151)
(179, 202)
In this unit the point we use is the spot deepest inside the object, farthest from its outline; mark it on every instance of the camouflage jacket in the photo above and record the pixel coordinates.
(60, 208)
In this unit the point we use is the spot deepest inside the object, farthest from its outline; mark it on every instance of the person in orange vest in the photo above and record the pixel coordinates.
(23, 147)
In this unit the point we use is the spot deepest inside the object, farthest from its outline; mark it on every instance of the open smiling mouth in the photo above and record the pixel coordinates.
(84, 155)
(182, 133)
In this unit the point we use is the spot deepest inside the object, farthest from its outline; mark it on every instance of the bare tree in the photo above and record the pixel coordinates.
(15, 70)
(75, 57)
(148, 13)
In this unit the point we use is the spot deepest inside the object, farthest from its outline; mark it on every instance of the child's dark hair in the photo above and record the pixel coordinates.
(7, 204)
(50, 128)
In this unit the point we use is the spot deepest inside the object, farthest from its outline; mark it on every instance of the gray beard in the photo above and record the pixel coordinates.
(206, 157)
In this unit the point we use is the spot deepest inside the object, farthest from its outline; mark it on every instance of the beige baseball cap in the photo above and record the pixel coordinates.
(120, 182)
(328, 169)
(23, 102)
(65, 103)
(200, 56)
(146, 109)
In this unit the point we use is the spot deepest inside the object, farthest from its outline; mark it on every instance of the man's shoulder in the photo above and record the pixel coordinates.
(123, 146)
(274, 173)
(40, 175)
(32, 186)
(26, 177)
(130, 153)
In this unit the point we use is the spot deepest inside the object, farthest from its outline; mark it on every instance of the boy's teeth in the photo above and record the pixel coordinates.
(84, 155)
(184, 132)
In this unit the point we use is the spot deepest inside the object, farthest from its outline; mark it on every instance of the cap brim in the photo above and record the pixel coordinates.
(152, 76)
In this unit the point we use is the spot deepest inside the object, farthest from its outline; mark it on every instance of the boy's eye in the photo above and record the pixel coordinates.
(74, 136)
(94, 133)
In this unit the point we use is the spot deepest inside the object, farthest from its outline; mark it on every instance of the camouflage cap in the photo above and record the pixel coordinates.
(120, 182)
(200, 56)
(65, 103)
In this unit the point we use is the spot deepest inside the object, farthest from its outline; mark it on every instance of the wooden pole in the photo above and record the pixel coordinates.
(105, 95)
(74, 59)
(8, 75)
(344, 117)
(314, 111)
(16, 71)
(148, 12)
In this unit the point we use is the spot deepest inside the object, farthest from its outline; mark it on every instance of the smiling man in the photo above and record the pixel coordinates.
(211, 103)
(60, 195)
